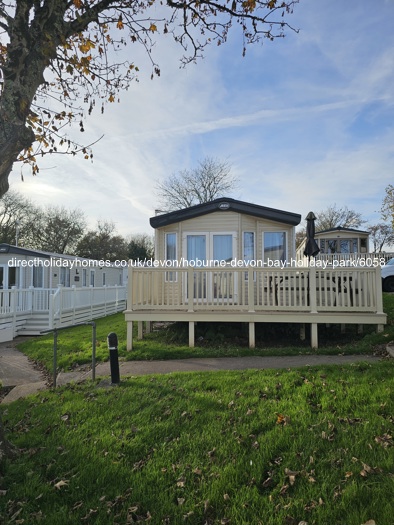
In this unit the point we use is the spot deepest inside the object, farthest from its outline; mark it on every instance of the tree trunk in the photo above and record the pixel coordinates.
(14, 138)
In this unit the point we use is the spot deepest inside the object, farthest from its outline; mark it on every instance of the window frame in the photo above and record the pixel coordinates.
(171, 277)
(285, 244)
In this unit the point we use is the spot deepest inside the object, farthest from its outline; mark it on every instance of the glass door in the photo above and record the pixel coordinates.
(206, 250)
(196, 253)
(223, 281)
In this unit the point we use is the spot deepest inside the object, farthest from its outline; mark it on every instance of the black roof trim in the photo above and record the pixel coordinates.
(341, 229)
(18, 250)
(247, 208)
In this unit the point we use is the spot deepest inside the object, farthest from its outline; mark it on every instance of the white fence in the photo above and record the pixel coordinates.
(32, 310)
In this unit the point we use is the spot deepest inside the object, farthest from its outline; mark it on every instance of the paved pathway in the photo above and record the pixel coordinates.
(17, 371)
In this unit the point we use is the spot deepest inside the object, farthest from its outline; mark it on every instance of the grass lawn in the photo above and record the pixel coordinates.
(307, 445)
(75, 344)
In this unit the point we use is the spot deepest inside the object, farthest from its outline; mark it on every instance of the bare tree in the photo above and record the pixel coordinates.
(381, 235)
(103, 243)
(140, 247)
(55, 59)
(211, 179)
(57, 230)
(17, 216)
(52, 229)
(333, 217)
(387, 209)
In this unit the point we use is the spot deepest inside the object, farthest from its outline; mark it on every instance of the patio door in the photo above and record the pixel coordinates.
(196, 253)
(207, 250)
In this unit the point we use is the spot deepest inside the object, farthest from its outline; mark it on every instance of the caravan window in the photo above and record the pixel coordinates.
(274, 246)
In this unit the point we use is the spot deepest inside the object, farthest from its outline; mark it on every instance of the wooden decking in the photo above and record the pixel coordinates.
(258, 295)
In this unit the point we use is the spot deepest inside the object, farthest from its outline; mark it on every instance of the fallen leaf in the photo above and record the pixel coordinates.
(181, 482)
(181, 501)
(283, 490)
(291, 474)
(282, 420)
(60, 484)
(226, 497)
(267, 483)
(386, 440)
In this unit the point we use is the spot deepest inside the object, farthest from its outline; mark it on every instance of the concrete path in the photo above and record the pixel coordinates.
(18, 372)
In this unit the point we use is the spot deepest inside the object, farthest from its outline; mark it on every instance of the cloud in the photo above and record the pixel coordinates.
(306, 122)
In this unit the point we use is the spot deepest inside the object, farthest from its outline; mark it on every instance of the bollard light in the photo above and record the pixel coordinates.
(112, 340)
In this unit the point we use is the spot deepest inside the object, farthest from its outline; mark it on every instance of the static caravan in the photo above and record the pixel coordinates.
(25, 268)
(233, 261)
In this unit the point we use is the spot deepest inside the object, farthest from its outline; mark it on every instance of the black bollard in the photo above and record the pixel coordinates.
(113, 358)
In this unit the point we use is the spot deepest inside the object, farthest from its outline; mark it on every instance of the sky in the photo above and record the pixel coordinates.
(305, 122)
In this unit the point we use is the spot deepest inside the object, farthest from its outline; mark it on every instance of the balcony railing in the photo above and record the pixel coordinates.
(253, 290)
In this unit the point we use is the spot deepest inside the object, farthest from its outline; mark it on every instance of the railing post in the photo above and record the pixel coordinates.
(51, 313)
(93, 351)
(31, 298)
(312, 290)
(73, 295)
(190, 289)
(379, 294)
(13, 306)
(129, 305)
(54, 357)
(251, 301)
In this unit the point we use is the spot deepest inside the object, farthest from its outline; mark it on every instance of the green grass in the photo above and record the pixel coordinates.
(75, 345)
(245, 447)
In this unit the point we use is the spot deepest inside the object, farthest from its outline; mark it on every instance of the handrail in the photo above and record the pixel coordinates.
(239, 289)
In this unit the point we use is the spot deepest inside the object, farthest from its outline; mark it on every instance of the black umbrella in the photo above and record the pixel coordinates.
(311, 248)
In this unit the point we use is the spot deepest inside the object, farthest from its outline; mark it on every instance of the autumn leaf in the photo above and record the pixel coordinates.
(268, 483)
(60, 484)
(78, 4)
(181, 482)
(120, 24)
(282, 420)
(291, 474)
(283, 490)
(111, 98)
(385, 441)
(153, 28)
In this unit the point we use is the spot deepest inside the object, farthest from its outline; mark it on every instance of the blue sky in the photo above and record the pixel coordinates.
(305, 122)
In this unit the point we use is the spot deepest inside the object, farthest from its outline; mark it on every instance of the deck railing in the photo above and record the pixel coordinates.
(37, 309)
(251, 290)
(360, 258)
(24, 300)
